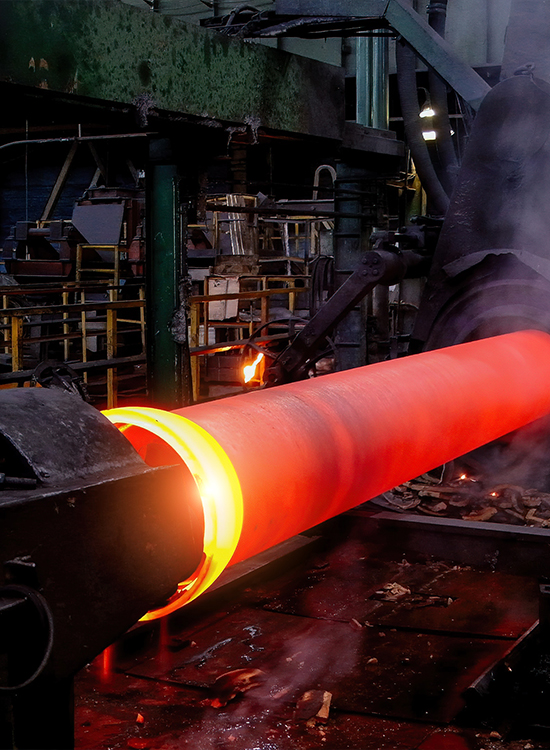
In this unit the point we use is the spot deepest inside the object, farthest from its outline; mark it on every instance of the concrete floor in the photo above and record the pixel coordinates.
(394, 637)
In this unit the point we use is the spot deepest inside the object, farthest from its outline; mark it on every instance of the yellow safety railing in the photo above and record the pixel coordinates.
(243, 329)
(29, 320)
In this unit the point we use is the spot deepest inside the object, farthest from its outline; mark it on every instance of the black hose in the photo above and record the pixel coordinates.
(322, 281)
(406, 83)
(41, 606)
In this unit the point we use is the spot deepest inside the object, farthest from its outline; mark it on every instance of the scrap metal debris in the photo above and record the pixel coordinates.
(470, 499)
(313, 705)
(231, 684)
(393, 592)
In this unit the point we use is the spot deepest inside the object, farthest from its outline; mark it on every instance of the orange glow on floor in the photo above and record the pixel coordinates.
(107, 664)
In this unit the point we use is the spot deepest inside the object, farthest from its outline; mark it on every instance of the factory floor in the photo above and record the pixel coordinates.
(341, 638)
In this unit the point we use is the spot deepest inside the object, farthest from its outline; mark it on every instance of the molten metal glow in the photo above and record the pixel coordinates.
(250, 370)
(218, 486)
(274, 462)
(107, 664)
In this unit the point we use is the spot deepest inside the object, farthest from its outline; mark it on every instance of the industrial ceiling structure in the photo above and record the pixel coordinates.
(274, 359)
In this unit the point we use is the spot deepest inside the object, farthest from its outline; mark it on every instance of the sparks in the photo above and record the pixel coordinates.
(250, 370)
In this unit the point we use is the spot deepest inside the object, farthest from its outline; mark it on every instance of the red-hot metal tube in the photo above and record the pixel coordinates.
(293, 456)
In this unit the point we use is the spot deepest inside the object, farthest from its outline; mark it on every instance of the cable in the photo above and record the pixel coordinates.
(42, 607)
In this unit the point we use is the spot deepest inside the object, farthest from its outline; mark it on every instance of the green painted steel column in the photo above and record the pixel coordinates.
(372, 64)
(168, 371)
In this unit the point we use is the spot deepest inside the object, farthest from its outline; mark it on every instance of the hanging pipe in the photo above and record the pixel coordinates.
(272, 463)
(437, 14)
(407, 86)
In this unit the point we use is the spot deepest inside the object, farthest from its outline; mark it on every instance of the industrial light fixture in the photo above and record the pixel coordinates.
(427, 111)
(431, 135)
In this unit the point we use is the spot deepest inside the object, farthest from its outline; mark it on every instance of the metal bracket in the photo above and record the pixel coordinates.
(376, 267)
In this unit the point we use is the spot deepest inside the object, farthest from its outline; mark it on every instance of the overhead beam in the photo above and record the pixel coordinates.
(107, 51)
(427, 44)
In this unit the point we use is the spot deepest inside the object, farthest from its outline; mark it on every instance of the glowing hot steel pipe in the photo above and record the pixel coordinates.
(272, 463)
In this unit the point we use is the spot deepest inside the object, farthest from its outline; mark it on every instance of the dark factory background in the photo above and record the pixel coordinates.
(202, 200)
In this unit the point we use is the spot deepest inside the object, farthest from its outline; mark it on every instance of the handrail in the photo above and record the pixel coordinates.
(201, 302)
(68, 286)
(72, 324)
(71, 307)
(247, 295)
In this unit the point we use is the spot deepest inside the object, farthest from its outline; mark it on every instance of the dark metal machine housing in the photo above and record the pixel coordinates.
(92, 538)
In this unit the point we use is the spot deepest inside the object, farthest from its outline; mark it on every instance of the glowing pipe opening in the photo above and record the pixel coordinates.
(217, 484)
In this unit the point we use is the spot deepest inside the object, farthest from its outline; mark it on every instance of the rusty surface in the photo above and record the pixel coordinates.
(105, 49)
(446, 740)
(317, 592)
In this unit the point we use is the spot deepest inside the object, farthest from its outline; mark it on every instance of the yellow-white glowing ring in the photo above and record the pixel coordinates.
(218, 485)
